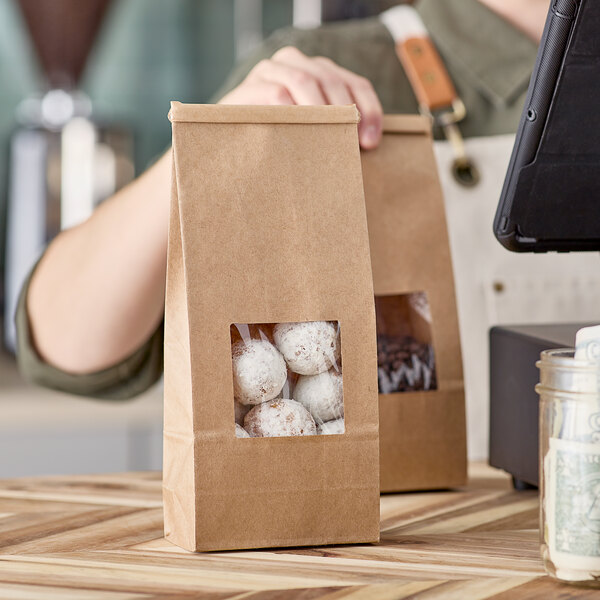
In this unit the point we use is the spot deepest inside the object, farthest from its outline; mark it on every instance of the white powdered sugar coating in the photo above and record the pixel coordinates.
(279, 418)
(331, 427)
(308, 348)
(259, 371)
(322, 395)
(241, 432)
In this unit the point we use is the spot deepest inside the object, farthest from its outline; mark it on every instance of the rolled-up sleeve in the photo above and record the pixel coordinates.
(125, 380)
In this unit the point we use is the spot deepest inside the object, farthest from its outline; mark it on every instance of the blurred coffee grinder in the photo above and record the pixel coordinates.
(62, 161)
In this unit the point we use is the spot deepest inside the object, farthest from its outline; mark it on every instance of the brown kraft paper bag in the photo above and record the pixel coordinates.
(267, 235)
(421, 401)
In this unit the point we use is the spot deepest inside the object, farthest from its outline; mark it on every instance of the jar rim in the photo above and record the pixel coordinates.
(565, 357)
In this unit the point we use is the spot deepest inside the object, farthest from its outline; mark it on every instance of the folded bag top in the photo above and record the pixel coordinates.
(225, 113)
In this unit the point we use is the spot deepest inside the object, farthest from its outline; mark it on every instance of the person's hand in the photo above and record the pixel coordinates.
(291, 77)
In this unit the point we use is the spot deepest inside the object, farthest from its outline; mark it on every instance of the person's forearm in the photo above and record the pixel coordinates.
(98, 293)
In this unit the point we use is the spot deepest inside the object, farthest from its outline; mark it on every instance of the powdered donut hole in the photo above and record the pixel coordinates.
(259, 371)
(279, 418)
(308, 348)
(322, 395)
(331, 427)
(241, 432)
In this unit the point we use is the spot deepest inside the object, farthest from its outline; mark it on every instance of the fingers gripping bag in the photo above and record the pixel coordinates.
(271, 410)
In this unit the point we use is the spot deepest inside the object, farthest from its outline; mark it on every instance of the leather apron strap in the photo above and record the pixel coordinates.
(431, 83)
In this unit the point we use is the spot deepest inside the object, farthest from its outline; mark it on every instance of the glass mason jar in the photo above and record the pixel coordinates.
(569, 467)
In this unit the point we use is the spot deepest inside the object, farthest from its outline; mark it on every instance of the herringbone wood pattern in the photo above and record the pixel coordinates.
(100, 537)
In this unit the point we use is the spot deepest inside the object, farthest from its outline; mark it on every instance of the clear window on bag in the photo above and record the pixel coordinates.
(405, 356)
(287, 379)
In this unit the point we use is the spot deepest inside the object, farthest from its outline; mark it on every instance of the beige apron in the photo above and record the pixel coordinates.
(498, 287)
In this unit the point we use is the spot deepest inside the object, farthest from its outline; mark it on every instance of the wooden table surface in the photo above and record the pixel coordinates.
(100, 537)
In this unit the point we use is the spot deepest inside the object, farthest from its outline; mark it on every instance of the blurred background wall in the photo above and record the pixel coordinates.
(91, 80)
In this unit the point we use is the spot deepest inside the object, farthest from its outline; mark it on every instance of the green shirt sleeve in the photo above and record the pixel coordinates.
(127, 379)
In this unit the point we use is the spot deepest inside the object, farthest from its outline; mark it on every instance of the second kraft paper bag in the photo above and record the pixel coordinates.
(421, 393)
(270, 427)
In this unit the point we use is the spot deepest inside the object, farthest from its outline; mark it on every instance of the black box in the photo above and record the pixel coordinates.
(514, 411)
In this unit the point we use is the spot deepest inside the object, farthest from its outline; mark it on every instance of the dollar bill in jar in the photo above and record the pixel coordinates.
(570, 459)
(572, 509)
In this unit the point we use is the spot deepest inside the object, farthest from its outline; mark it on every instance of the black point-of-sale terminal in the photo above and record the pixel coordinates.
(514, 412)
